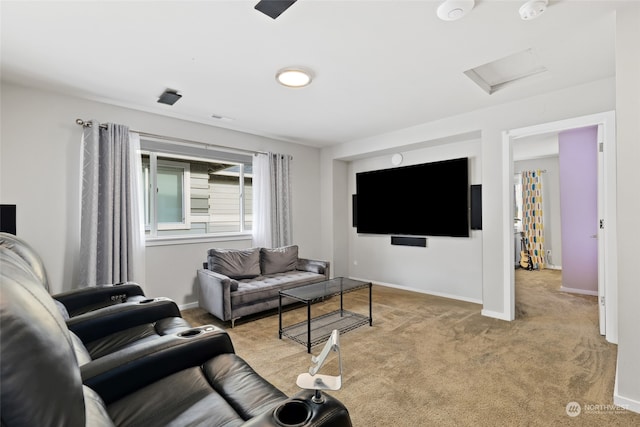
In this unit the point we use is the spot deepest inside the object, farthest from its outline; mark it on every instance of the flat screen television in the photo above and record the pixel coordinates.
(428, 199)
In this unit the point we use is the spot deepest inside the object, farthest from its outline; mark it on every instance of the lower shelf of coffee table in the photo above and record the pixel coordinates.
(322, 326)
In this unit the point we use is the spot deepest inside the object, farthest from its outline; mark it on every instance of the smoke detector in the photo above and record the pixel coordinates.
(451, 10)
(532, 9)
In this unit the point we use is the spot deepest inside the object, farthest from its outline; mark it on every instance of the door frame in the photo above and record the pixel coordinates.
(607, 259)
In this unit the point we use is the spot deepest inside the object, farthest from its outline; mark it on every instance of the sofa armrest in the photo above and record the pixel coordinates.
(215, 293)
(76, 299)
(100, 323)
(121, 373)
(315, 266)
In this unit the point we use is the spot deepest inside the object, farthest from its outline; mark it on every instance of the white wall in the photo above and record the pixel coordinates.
(448, 266)
(39, 172)
(489, 123)
(628, 127)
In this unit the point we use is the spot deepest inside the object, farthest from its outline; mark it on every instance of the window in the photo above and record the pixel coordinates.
(195, 196)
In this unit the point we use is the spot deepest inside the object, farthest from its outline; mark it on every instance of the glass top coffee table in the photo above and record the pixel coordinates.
(317, 330)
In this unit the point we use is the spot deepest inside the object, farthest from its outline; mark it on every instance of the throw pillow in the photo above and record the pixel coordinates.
(235, 263)
(278, 260)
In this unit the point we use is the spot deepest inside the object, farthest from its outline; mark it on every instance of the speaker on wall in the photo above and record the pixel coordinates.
(476, 207)
(409, 241)
(354, 210)
(8, 219)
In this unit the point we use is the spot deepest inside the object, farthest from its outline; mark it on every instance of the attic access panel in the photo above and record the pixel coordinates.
(517, 68)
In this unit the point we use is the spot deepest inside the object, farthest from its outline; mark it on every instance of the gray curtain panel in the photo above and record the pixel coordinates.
(109, 235)
(281, 217)
(272, 218)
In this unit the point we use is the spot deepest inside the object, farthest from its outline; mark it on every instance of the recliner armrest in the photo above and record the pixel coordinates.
(330, 413)
(76, 299)
(121, 373)
(108, 320)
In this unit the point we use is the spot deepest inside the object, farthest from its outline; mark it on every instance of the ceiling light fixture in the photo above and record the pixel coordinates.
(451, 10)
(532, 9)
(294, 77)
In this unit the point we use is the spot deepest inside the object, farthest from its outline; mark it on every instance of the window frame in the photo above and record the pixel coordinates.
(185, 224)
(174, 158)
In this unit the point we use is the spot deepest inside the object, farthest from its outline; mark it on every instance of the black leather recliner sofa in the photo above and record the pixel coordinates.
(78, 301)
(192, 378)
(102, 319)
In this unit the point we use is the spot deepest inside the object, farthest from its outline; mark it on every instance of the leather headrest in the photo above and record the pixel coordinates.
(27, 253)
(41, 383)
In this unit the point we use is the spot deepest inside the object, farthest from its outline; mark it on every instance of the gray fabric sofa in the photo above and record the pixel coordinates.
(238, 282)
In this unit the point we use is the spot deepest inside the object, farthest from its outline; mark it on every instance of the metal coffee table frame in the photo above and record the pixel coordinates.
(317, 330)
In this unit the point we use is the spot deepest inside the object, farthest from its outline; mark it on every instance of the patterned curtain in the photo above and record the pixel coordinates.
(532, 226)
(111, 231)
(272, 221)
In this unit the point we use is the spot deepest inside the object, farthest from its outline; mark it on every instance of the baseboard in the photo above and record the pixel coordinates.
(553, 267)
(623, 402)
(495, 314)
(189, 305)
(579, 291)
(421, 291)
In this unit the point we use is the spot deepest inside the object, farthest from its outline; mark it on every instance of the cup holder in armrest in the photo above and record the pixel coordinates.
(293, 413)
(190, 333)
(146, 301)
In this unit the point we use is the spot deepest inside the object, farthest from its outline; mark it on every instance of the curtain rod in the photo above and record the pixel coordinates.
(171, 138)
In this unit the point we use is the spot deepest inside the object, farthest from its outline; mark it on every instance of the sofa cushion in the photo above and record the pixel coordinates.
(268, 287)
(224, 391)
(278, 260)
(235, 263)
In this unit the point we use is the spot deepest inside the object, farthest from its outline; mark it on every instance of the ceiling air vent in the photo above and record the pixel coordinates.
(169, 97)
(517, 68)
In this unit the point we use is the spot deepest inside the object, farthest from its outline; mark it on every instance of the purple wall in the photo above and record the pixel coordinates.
(578, 159)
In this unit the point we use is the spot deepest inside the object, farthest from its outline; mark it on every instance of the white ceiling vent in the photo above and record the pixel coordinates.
(516, 68)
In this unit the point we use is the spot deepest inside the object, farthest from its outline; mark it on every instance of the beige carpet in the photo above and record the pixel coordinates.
(436, 361)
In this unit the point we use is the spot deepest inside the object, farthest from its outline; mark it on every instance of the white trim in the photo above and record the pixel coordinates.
(624, 402)
(420, 291)
(579, 291)
(196, 238)
(509, 300)
(189, 305)
(495, 315)
(607, 120)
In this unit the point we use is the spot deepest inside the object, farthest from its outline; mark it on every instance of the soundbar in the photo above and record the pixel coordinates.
(409, 241)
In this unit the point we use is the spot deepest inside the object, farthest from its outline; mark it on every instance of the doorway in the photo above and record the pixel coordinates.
(607, 268)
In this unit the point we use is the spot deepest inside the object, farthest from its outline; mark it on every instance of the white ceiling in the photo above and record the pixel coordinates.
(379, 65)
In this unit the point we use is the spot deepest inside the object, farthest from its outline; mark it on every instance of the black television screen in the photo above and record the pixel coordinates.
(429, 199)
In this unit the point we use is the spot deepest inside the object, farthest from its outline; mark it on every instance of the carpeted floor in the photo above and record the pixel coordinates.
(435, 361)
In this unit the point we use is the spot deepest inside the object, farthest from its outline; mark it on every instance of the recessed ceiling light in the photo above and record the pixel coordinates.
(532, 9)
(294, 77)
(450, 10)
